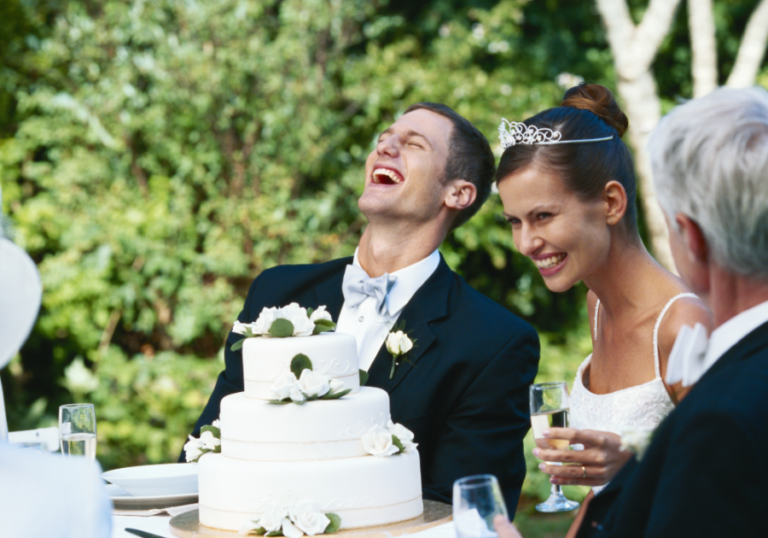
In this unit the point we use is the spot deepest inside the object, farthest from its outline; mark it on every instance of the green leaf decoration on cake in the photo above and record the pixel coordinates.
(275, 533)
(334, 525)
(281, 328)
(261, 531)
(336, 395)
(363, 377)
(238, 345)
(323, 326)
(398, 443)
(213, 429)
(300, 363)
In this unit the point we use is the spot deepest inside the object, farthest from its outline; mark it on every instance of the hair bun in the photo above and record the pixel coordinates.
(600, 101)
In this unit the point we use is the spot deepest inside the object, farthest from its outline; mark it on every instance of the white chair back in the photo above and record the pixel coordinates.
(48, 436)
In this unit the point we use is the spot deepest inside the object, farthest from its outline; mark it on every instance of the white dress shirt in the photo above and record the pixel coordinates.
(369, 328)
(734, 330)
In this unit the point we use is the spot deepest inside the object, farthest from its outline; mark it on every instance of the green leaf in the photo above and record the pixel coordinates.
(238, 345)
(217, 450)
(261, 531)
(309, 311)
(323, 326)
(336, 395)
(300, 363)
(213, 429)
(363, 377)
(398, 444)
(275, 533)
(281, 328)
(249, 333)
(334, 525)
(280, 402)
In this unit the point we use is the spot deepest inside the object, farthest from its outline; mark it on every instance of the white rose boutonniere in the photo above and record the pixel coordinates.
(378, 442)
(398, 344)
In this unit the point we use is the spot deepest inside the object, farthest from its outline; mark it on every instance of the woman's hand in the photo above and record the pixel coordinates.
(596, 465)
(505, 529)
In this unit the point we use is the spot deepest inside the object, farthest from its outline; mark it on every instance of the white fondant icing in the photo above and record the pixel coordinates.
(265, 359)
(363, 491)
(322, 429)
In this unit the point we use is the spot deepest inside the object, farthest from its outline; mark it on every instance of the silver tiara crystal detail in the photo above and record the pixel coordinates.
(514, 133)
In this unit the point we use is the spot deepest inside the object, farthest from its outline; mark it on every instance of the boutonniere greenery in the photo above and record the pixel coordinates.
(209, 441)
(291, 320)
(398, 344)
(302, 384)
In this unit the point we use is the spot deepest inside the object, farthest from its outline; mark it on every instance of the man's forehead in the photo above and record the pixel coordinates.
(424, 122)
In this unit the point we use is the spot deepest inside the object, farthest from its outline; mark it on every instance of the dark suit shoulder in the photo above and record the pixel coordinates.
(304, 271)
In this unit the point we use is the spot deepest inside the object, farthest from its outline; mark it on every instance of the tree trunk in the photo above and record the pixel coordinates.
(701, 22)
(751, 50)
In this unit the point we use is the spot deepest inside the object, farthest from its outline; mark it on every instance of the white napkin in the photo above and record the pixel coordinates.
(688, 360)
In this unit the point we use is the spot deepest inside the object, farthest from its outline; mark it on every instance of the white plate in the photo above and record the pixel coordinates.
(121, 499)
(152, 480)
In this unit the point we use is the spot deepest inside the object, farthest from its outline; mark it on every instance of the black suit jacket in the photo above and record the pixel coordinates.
(705, 473)
(465, 395)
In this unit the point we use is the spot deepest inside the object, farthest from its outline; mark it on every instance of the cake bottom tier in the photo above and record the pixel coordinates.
(363, 491)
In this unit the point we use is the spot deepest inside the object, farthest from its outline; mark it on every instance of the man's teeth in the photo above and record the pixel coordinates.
(395, 177)
(549, 263)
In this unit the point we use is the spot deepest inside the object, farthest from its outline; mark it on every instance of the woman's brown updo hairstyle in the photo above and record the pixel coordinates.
(587, 111)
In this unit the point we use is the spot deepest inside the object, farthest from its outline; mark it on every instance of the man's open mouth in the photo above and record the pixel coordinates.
(387, 176)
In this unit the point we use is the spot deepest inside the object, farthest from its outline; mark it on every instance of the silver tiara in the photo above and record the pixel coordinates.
(513, 133)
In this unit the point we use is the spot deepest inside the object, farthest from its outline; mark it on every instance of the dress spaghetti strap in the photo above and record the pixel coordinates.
(656, 330)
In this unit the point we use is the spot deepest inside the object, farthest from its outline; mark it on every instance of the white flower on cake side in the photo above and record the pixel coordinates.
(390, 441)
(290, 320)
(302, 384)
(209, 441)
(294, 521)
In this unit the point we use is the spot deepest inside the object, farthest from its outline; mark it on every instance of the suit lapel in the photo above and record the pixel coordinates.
(329, 292)
(429, 303)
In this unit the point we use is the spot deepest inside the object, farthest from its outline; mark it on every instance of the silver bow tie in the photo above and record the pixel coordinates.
(358, 286)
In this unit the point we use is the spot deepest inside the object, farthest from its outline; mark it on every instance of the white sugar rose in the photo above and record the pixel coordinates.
(398, 343)
(272, 518)
(290, 530)
(378, 442)
(337, 385)
(296, 395)
(297, 315)
(308, 519)
(216, 424)
(314, 384)
(264, 321)
(193, 449)
(283, 385)
(209, 441)
(320, 313)
(404, 435)
(239, 328)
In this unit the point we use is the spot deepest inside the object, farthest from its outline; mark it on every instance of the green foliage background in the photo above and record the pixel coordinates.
(156, 156)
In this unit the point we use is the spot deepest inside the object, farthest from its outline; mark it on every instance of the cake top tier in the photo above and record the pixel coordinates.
(267, 359)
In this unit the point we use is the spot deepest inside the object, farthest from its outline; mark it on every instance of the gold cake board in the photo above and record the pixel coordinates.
(187, 525)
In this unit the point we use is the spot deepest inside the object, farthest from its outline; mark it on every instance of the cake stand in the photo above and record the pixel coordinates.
(187, 525)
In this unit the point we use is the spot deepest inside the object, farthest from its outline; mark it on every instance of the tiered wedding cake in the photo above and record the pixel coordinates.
(305, 433)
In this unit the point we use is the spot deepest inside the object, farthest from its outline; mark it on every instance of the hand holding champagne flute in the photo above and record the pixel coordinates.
(549, 409)
(77, 430)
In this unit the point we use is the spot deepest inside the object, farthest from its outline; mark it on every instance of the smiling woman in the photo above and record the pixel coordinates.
(568, 188)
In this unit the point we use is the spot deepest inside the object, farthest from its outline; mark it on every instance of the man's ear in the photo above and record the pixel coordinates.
(461, 194)
(693, 237)
(616, 202)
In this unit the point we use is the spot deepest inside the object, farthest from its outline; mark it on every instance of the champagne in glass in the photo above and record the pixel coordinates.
(549, 409)
(477, 500)
(77, 430)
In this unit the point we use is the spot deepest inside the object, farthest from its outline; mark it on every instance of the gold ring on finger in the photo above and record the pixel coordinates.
(583, 472)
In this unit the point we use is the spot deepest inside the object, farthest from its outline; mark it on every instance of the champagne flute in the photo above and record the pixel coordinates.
(476, 501)
(549, 409)
(77, 430)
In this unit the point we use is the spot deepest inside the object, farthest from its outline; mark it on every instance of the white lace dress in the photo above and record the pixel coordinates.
(641, 407)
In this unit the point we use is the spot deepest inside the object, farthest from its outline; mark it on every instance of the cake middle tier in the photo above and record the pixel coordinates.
(267, 359)
(318, 430)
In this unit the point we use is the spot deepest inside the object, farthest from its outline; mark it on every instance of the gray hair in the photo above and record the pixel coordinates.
(710, 162)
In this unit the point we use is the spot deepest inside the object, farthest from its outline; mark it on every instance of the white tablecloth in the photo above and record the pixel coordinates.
(159, 525)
